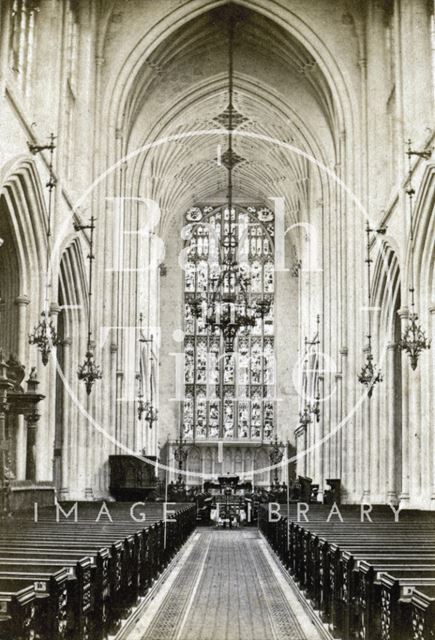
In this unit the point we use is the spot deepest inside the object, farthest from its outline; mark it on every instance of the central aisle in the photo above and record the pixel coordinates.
(225, 585)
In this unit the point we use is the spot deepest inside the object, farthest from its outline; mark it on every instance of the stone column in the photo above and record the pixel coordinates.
(66, 428)
(318, 429)
(4, 408)
(431, 369)
(21, 302)
(404, 496)
(390, 425)
(415, 421)
(347, 449)
(365, 458)
(338, 437)
(51, 405)
(31, 447)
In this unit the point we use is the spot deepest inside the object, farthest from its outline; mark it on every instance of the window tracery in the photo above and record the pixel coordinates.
(21, 40)
(229, 395)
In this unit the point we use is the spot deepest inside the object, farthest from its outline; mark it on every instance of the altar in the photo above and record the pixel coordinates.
(229, 508)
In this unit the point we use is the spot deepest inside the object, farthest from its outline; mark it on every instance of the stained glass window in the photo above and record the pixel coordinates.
(228, 395)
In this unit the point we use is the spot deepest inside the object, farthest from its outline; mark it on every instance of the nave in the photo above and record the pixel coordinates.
(225, 585)
(118, 571)
(217, 286)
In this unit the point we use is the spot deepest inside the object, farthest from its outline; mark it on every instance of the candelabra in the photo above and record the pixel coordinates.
(304, 417)
(151, 414)
(181, 452)
(141, 404)
(370, 375)
(146, 407)
(89, 371)
(44, 334)
(313, 347)
(413, 340)
(276, 454)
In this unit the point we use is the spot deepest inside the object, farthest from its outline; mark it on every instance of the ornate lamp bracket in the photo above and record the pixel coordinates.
(44, 334)
(413, 340)
(89, 371)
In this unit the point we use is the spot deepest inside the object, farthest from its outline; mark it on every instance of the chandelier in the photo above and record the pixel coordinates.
(44, 334)
(146, 407)
(413, 340)
(369, 375)
(229, 308)
(89, 371)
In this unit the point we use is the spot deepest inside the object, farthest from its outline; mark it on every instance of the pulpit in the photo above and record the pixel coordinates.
(14, 401)
(132, 478)
(333, 493)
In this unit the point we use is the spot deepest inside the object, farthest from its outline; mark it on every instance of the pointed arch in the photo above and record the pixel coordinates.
(22, 191)
(424, 243)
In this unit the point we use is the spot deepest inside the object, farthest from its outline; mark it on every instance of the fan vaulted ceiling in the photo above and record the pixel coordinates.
(182, 88)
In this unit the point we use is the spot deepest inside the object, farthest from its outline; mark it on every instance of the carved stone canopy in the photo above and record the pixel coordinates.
(15, 372)
(19, 402)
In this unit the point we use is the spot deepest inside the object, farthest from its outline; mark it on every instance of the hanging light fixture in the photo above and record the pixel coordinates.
(228, 308)
(413, 340)
(140, 397)
(141, 405)
(89, 371)
(181, 452)
(146, 407)
(370, 375)
(44, 334)
(304, 417)
(314, 406)
(276, 454)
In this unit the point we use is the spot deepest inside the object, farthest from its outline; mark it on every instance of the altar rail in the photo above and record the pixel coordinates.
(77, 580)
(369, 580)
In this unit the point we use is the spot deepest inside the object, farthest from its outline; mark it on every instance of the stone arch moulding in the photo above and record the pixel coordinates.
(21, 188)
(72, 276)
(424, 244)
(386, 287)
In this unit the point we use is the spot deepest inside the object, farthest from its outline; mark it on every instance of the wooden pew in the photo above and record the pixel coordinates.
(99, 574)
(337, 565)
(125, 558)
(77, 597)
(419, 616)
(18, 609)
(397, 586)
(52, 586)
